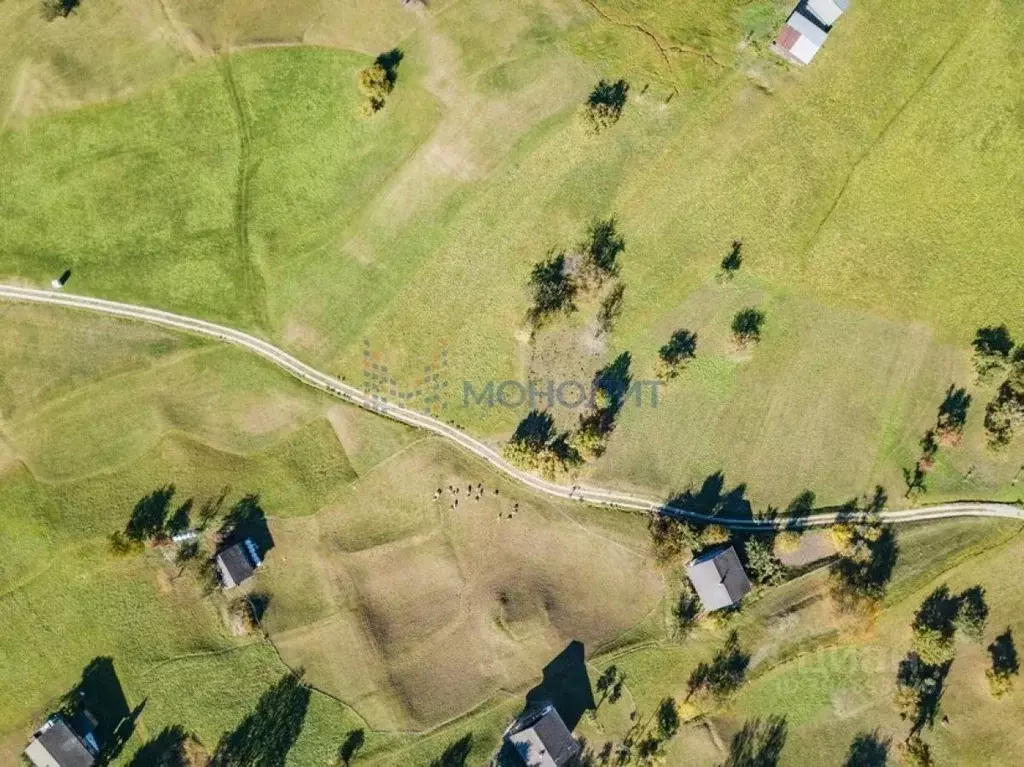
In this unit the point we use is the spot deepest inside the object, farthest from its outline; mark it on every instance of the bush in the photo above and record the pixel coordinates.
(672, 538)
(604, 107)
(747, 324)
(787, 541)
(715, 535)
(762, 563)
(121, 545)
(375, 85)
(999, 684)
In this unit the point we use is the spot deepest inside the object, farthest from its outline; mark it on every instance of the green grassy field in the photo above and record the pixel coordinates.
(406, 614)
(245, 188)
(210, 158)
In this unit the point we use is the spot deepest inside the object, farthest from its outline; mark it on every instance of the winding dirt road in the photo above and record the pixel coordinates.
(343, 391)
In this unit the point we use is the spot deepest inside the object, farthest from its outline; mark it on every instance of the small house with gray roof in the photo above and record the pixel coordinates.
(56, 744)
(238, 563)
(718, 578)
(542, 739)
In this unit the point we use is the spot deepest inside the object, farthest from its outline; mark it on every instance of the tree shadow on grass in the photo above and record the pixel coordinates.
(536, 428)
(868, 749)
(247, 520)
(758, 744)
(724, 674)
(613, 382)
(167, 749)
(953, 410)
(1003, 652)
(354, 740)
(456, 754)
(566, 684)
(264, 737)
(181, 519)
(390, 60)
(928, 683)
(712, 499)
(97, 703)
(149, 515)
(799, 509)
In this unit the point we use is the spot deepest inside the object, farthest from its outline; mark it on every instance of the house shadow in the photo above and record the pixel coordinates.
(566, 685)
(247, 520)
(97, 704)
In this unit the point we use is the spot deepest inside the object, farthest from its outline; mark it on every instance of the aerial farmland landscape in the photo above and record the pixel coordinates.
(456, 383)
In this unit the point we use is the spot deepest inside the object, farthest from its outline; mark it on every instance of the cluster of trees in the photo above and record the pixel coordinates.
(921, 676)
(997, 354)
(644, 743)
(675, 539)
(948, 431)
(868, 550)
(604, 106)
(1006, 410)
(555, 282)
(536, 446)
(941, 617)
(378, 80)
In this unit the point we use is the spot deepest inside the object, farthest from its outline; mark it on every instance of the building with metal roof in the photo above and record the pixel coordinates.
(718, 578)
(55, 744)
(807, 28)
(543, 740)
(237, 563)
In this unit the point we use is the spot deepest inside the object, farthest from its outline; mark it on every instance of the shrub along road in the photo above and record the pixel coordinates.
(375, 404)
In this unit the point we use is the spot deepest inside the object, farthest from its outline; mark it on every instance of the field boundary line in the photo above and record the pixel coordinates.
(884, 133)
(398, 412)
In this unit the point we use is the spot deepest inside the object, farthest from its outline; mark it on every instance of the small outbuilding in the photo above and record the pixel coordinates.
(718, 578)
(238, 563)
(542, 740)
(56, 744)
(807, 28)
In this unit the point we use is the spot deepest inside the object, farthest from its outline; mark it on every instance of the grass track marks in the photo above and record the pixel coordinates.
(253, 279)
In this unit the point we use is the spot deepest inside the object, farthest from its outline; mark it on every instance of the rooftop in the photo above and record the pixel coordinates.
(544, 740)
(235, 565)
(719, 578)
(57, 745)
